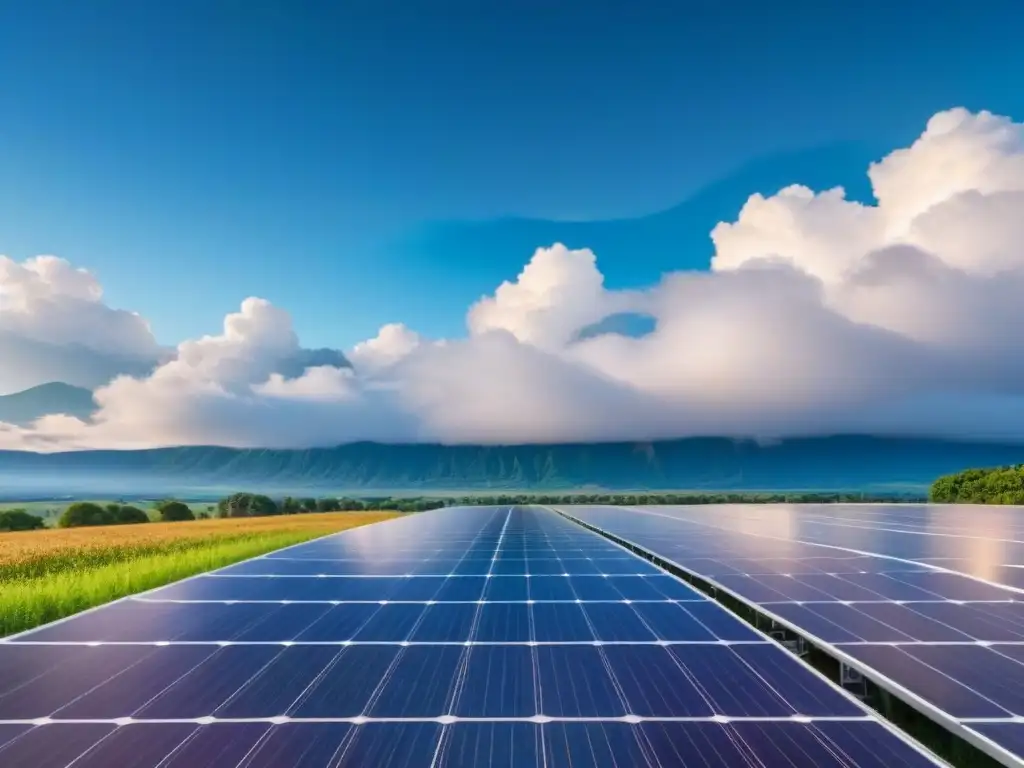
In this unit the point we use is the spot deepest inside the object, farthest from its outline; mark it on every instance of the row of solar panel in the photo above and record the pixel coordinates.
(889, 585)
(442, 567)
(159, 682)
(967, 681)
(439, 588)
(391, 681)
(422, 745)
(936, 660)
(137, 621)
(899, 623)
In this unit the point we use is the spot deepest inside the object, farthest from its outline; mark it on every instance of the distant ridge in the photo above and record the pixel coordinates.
(23, 408)
(823, 463)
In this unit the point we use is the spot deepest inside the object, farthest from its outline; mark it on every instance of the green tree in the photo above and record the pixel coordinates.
(327, 504)
(308, 505)
(20, 520)
(290, 506)
(172, 511)
(247, 505)
(83, 513)
(125, 514)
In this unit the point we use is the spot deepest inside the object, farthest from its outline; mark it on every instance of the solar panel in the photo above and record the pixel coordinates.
(459, 637)
(877, 586)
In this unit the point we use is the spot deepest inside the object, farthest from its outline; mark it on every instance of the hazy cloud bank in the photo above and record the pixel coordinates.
(819, 315)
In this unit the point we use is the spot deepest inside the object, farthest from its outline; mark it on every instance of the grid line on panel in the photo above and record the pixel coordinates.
(450, 719)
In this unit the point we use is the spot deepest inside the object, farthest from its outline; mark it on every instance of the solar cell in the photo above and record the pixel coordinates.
(462, 637)
(882, 592)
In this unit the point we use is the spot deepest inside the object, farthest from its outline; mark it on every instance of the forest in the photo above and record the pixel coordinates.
(997, 485)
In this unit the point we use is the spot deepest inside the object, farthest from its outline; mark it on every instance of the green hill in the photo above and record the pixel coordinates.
(25, 407)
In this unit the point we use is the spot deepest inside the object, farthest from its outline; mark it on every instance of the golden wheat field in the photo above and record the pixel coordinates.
(46, 575)
(21, 546)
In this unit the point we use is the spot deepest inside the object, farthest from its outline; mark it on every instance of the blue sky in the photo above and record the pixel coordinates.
(339, 160)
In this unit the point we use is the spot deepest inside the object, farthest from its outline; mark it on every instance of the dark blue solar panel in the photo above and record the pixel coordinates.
(862, 603)
(813, 623)
(200, 692)
(792, 588)
(348, 683)
(988, 673)
(907, 620)
(1009, 736)
(52, 746)
(859, 623)
(494, 745)
(561, 622)
(720, 622)
(340, 623)
(422, 588)
(138, 745)
(931, 684)
(462, 588)
(272, 691)
(9, 732)
(445, 622)
(301, 745)
(668, 621)
(121, 695)
(840, 588)
(213, 746)
(507, 588)
(394, 623)
(832, 744)
(503, 622)
(499, 683)
(654, 685)
(574, 682)
(37, 681)
(593, 588)
(995, 622)
(551, 588)
(617, 622)
(545, 619)
(578, 744)
(953, 586)
(421, 684)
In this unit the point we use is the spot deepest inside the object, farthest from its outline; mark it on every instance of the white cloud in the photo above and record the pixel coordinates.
(819, 315)
(559, 292)
(392, 343)
(54, 326)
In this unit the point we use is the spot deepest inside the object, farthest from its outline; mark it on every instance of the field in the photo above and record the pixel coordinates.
(46, 575)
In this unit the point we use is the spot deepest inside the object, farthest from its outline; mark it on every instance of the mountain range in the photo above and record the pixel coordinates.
(823, 463)
(22, 408)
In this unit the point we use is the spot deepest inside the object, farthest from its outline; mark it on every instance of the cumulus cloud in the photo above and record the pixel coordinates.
(54, 326)
(392, 343)
(818, 315)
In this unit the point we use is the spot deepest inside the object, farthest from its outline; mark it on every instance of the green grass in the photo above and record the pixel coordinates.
(62, 586)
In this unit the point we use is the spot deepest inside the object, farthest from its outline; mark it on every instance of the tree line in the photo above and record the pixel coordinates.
(245, 504)
(998, 485)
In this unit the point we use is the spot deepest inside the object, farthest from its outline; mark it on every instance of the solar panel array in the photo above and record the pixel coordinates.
(949, 643)
(461, 637)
